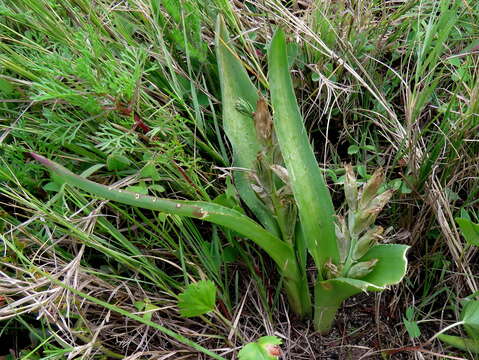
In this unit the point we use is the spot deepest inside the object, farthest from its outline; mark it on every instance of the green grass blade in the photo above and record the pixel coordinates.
(310, 191)
(235, 86)
(280, 252)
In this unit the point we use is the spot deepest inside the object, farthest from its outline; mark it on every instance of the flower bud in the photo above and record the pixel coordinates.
(371, 188)
(262, 121)
(281, 172)
(361, 269)
(332, 271)
(259, 190)
(367, 241)
(342, 235)
(350, 187)
(382, 199)
(363, 220)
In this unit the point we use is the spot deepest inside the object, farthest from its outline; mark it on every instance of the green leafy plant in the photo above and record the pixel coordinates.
(411, 324)
(265, 348)
(282, 184)
(469, 230)
(197, 299)
(469, 317)
(470, 322)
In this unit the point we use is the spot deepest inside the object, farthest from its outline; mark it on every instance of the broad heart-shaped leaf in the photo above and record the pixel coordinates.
(329, 294)
(260, 349)
(236, 86)
(281, 252)
(470, 231)
(197, 299)
(311, 194)
(470, 318)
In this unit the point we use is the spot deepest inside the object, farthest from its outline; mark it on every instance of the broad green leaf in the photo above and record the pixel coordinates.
(197, 299)
(150, 171)
(236, 86)
(281, 252)
(470, 318)
(310, 191)
(391, 267)
(470, 231)
(329, 294)
(52, 186)
(265, 348)
(353, 149)
(117, 162)
(412, 328)
(156, 187)
(465, 344)
(140, 189)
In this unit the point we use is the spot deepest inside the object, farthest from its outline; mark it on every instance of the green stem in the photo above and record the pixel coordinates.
(298, 295)
(349, 260)
(325, 306)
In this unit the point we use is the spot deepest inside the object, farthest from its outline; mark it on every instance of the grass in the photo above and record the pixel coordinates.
(128, 94)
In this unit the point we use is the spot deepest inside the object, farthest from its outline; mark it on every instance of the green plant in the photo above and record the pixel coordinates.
(470, 322)
(469, 317)
(292, 202)
(343, 253)
(411, 324)
(197, 299)
(265, 348)
(469, 230)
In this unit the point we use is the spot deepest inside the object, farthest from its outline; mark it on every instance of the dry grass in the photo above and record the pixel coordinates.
(369, 327)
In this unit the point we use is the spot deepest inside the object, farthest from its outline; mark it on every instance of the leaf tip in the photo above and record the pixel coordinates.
(40, 159)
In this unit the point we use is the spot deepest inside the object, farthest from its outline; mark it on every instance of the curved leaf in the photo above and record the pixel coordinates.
(470, 318)
(470, 231)
(391, 266)
(329, 294)
(310, 191)
(465, 344)
(236, 86)
(281, 252)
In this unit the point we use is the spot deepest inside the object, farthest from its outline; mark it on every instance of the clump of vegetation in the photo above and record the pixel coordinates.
(156, 100)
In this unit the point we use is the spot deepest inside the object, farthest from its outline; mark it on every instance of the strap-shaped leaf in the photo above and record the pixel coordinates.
(281, 252)
(236, 86)
(310, 191)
